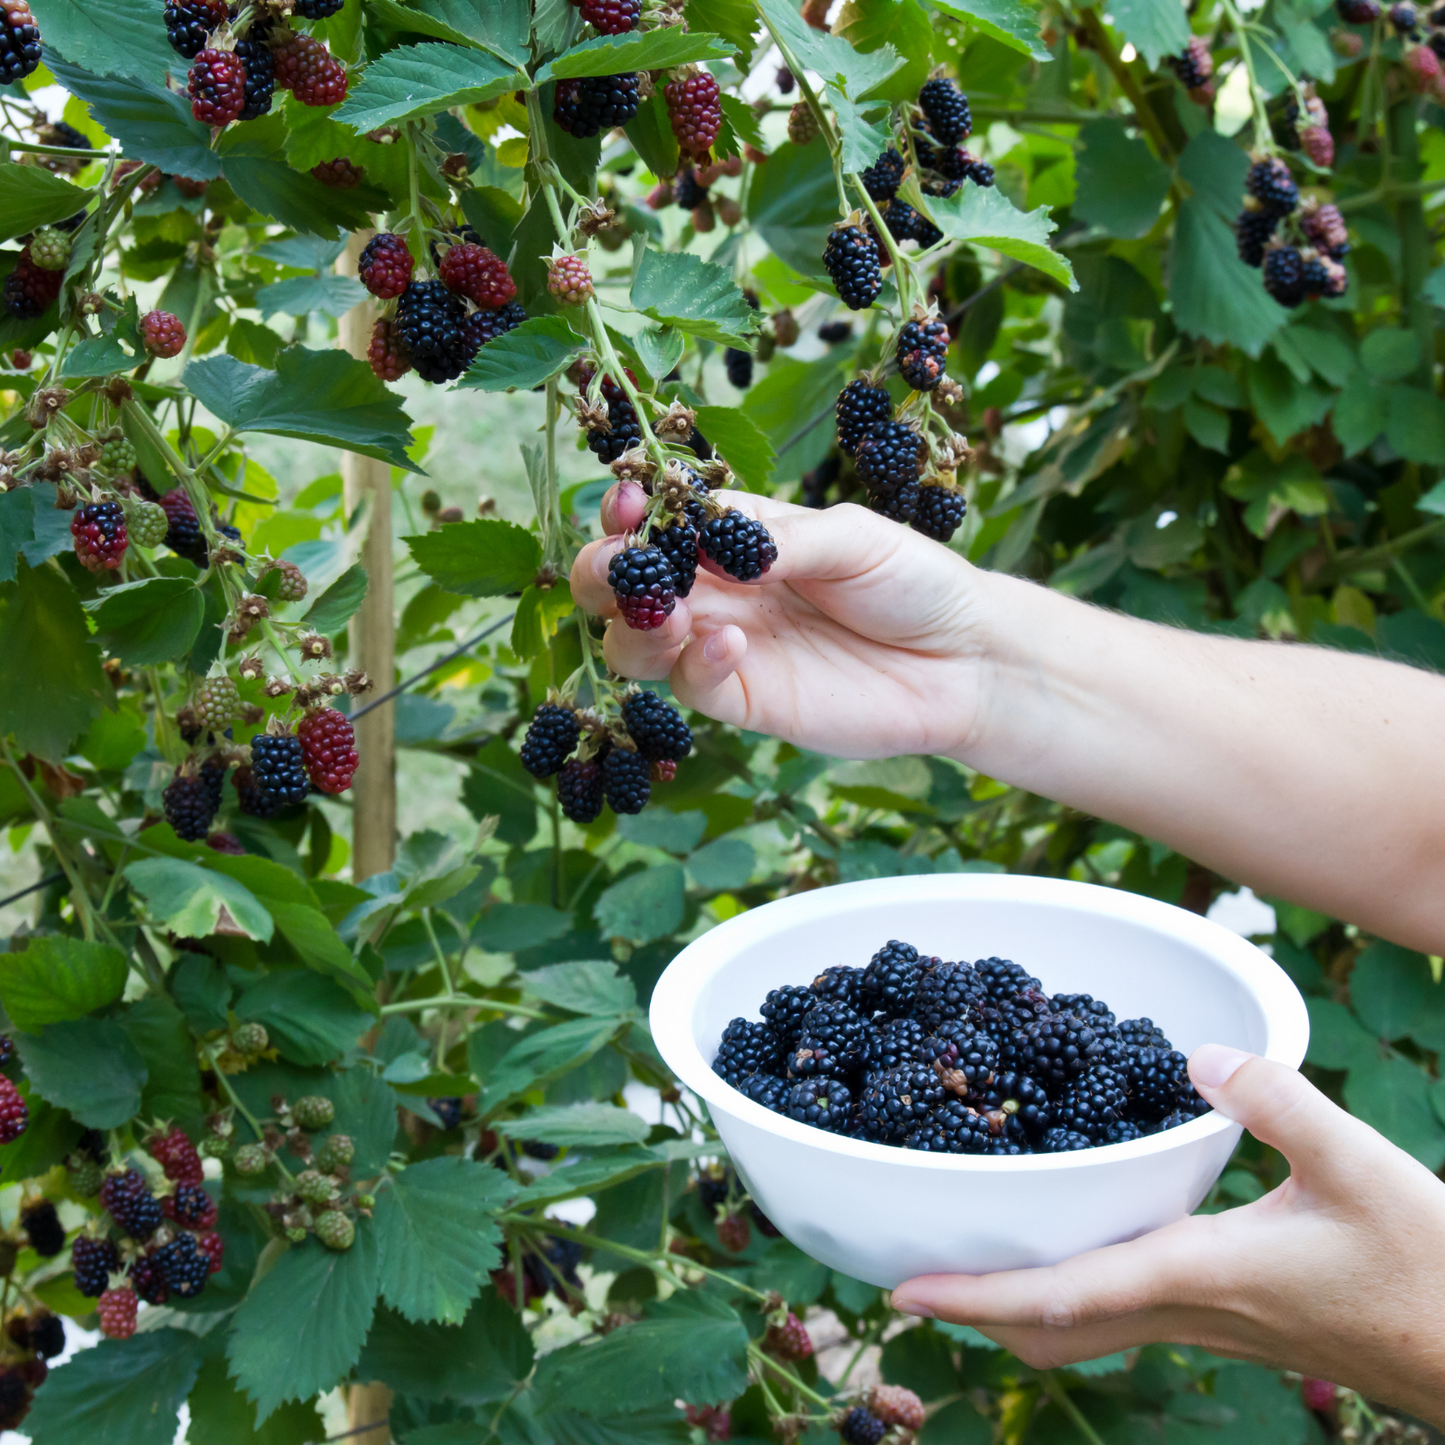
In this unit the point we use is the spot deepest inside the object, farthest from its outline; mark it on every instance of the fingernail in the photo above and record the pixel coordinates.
(911, 1307)
(1213, 1065)
(715, 649)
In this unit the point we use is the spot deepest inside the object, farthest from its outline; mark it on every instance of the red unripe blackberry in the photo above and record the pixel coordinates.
(1358, 12)
(610, 17)
(339, 174)
(945, 107)
(227, 843)
(678, 544)
(184, 1267)
(1195, 65)
(278, 767)
(626, 781)
(176, 1155)
(386, 266)
(292, 586)
(19, 42)
(694, 107)
(21, 360)
(895, 1405)
(882, 178)
(189, 807)
(328, 743)
(214, 1248)
(100, 535)
(734, 1233)
(1325, 226)
(888, 457)
(128, 1198)
(643, 584)
(860, 407)
(656, 727)
(163, 334)
(569, 280)
(14, 1112)
(1423, 67)
(922, 352)
(310, 72)
(938, 512)
(1284, 275)
(117, 1309)
(860, 1426)
(384, 353)
(739, 544)
(595, 103)
(43, 1228)
(29, 289)
(479, 275)
(1318, 144)
(551, 739)
(579, 791)
(1270, 183)
(850, 258)
(431, 328)
(664, 771)
(217, 87)
(1318, 1394)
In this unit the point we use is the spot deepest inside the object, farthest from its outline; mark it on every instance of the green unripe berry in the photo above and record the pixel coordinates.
(313, 1112)
(86, 1177)
(251, 1159)
(50, 249)
(291, 582)
(146, 524)
(315, 1187)
(335, 1230)
(296, 1234)
(117, 456)
(336, 1152)
(217, 702)
(214, 1147)
(251, 1040)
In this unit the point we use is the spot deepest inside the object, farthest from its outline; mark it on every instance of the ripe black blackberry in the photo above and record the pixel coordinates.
(431, 325)
(1143, 1033)
(1154, 1078)
(491, 322)
(47, 1335)
(768, 1090)
(963, 1054)
(1270, 183)
(889, 456)
(739, 544)
(189, 806)
(128, 1198)
(626, 781)
(952, 1128)
(1019, 1097)
(255, 53)
(147, 1280)
(278, 767)
(1002, 979)
(93, 1260)
(643, 584)
(656, 727)
(1121, 1131)
(626, 431)
(850, 257)
(784, 1009)
(595, 103)
(841, 983)
(939, 512)
(922, 352)
(1195, 66)
(579, 791)
(1093, 1011)
(893, 1044)
(882, 178)
(860, 1426)
(1053, 1050)
(1284, 275)
(184, 1267)
(1404, 16)
(189, 24)
(945, 107)
(19, 42)
(686, 191)
(831, 1042)
(255, 802)
(898, 506)
(904, 223)
(43, 1228)
(898, 1101)
(678, 544)
(890, 982)
(318, 9)
(860, 407)
(1063, 1141)
(1173, 1121)
(448, 1111)
(746, 1048)
(1092, 1103)
(822, 1102)
(1358, 12)
(739, 367)
(552, 738)
(947, 991)
(834, 333)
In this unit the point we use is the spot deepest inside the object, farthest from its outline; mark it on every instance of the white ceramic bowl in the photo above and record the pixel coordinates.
(885, 1214)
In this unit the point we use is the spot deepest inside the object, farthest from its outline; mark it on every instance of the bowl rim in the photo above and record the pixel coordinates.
(675, 996)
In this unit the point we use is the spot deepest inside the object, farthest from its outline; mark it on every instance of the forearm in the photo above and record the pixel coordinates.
(1314, 775)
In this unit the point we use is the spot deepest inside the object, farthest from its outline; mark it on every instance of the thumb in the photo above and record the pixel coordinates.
(1278, 1105)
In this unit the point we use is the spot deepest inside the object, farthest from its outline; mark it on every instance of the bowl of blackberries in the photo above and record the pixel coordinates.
(968, 1072)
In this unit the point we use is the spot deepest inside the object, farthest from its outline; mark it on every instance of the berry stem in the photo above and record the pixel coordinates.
(193, 324)
(1143, 112)
(241, 1108)
(460, 1000)
(903, 277)
(1060, 1397)
(761, 1358)
(1263, 141)
(39, 150)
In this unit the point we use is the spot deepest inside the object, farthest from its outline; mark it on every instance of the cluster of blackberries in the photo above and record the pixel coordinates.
(1292, 273)
(183, 534)
(956, 1058)
(944, 122)
(595, 103)
(432, 331)
(615, 773)
(19, 42)
(1194, 68)
(624, 430)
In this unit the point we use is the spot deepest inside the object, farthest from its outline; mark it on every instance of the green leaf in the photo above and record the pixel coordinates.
(191, 900)
(591, 1176)
(17, 528)
(109, 37)
(34, 198)
(589, 1125)
(322, 396)
(1207, 425)
(693, 1347)
(46, 637)
(682, 290)
(651, 135)
(222, 1415)
(539, 1058)
(302, 1326)
(55, 978)
(725, 863)
(534, 352)
(904, 24)
(88, 1067)
(863, 139)
(151, 123)
(743, 444)
(337, 605)
(1284, 405)
(310, 1019)
(593, 987)
(848, 70)
(1393, 1096)
(643, 906)
(660, 49)
(484, 558)
(1415, 424)
(497, 25)
(154, 620)
(437, 1237)
(792, 204)
(511, 927)
(1390, 354)
(1213, 293)
(484, 1359)
(158, 1030)
(299, 295)
(1153, 27)
(663, 828)
(1006, 20)
(417, 80)
(659, 349)
(121, 1392)
(113, 740)
(540, 609)
(1395, 995)
(497, 786)
(985, 216)
(1359, 416)
(1120, 185)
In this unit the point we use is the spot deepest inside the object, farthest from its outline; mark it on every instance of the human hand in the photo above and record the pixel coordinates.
(1338, 1273)
(864, 639)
